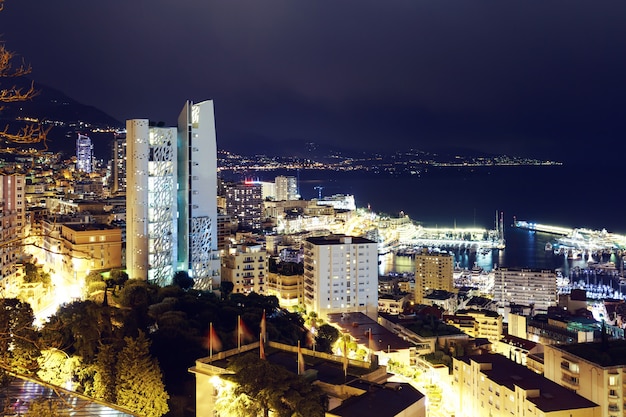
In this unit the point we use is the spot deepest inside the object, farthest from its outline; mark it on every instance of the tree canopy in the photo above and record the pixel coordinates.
(18, 339)
(268, 387)
(138, 382)
(326, 337)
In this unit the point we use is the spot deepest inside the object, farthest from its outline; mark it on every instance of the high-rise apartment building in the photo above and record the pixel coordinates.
(151, 224)
(529, 287)
(286, 188)
(172, 198)
(118, 164)
(341, 275)
(12, 223)
(84, 153)
(244, 203)
(433, 271)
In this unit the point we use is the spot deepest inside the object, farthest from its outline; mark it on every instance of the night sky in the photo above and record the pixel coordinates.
(545, 79)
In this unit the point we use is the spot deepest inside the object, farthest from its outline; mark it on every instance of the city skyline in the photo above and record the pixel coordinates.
(532, 80)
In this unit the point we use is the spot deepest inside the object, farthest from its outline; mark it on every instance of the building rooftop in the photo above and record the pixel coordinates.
(487, 313)
(552, 397)
(358, 325)
(518, 342)
(330, 371)
(83, 227)
(612, 353)
(380, 400)
(440, 295)
(338, 240)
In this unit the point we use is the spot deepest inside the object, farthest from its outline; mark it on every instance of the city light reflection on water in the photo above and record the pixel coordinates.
(524, 249)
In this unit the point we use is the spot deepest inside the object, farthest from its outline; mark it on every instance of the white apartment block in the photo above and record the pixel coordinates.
(341, 275)
(527, 287)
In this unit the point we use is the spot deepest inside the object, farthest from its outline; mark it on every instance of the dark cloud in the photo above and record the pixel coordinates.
(534, 78)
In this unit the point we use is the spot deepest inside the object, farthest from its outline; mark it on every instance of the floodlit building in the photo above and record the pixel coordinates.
(477, 323)
(353, 387)
(12, 224)
(492, 385)
(596, 371)
(246, 267)
(341, 275)
(84, 153)
(338, 202)
(433, 271)
(536, 288)
(72, 250)
(172, 198)
(286, 284)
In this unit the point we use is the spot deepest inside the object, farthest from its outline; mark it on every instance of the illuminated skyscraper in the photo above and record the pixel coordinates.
(84, 153)
(172, 198)
(197, 194)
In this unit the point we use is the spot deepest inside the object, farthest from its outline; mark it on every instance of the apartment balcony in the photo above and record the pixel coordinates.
(570, 382)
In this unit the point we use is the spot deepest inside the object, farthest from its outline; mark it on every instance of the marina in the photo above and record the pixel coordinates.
(405, 237)
(577, 242)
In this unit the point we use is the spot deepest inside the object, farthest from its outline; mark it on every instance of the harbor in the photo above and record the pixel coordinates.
(405, 237)
(577, 243)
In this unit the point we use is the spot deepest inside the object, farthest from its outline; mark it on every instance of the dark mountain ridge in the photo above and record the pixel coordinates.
(67, 116)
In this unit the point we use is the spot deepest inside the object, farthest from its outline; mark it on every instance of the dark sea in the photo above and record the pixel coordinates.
(559, 195)
(568, 196)
(556, 195)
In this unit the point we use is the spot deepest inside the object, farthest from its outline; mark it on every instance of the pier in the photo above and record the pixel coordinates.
(545, 228)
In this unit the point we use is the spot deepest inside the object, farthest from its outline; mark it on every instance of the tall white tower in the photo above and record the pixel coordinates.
(150, 202)
(197, 194)
(172, 199)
